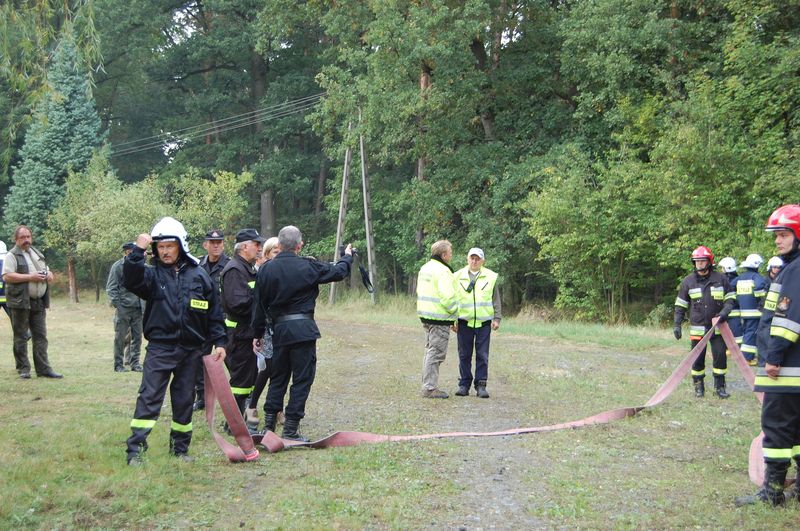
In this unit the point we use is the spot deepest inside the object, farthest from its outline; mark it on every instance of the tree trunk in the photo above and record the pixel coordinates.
(73, 280)
(268, 213)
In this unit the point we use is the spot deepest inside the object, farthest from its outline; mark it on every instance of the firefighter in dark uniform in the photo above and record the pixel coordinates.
(778, 375)
(706, 294)
(236, 282)
(728, 267)
(750, 288)
(182, 314)
(286, 291)
(213, 262)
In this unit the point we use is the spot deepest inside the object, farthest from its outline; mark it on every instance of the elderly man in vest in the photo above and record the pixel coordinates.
(437, 308)
(26, 275)
(478, 314)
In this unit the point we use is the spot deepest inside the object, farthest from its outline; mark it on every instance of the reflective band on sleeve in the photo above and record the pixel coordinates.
(230, 324)
(680, 302)
(730, 296)
(252, 284)
(201, 305)
(241, 391)
(796, 454)
(183, 428)
(735, 313)
(143, 423)
(785, 328)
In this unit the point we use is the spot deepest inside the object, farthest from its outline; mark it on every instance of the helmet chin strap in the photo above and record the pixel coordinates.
(704, 270)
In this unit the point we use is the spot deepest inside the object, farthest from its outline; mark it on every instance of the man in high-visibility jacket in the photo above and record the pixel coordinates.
(437, 308)
(478, 314)
(778, 374)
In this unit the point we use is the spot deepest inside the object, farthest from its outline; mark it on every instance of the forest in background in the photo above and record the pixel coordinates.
(587, 146)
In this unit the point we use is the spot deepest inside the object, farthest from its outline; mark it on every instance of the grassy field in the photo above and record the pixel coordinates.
(679, 465)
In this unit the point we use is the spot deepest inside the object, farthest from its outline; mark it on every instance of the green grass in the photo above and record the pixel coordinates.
(676, 466)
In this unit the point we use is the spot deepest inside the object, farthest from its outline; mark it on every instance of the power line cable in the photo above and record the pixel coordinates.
(228, 119)
(188, 138)
(189, 134)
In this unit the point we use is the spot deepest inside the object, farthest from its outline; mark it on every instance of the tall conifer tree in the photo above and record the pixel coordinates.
(63, 135)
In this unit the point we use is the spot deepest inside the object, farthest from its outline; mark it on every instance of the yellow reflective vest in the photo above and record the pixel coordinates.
(475, 303)
(436, 294)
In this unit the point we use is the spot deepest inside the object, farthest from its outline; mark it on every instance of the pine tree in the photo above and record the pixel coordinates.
(64, 133)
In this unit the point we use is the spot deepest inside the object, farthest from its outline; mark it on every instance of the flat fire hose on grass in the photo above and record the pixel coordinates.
(217, 388)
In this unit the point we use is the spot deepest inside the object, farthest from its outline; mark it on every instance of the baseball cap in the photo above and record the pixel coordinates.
(477, 251)
(215, 234)
(247, 235)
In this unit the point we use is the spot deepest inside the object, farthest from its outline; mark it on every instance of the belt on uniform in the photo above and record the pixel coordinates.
(292, 317)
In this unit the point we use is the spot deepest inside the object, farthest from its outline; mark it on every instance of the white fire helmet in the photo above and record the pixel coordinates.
(728, 264)
(775, 261)
(753, 261)
(3, 249)
(170, 229)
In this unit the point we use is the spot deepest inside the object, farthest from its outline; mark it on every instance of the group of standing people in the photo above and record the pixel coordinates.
(767, 311)
(467, 302)
(232, 316)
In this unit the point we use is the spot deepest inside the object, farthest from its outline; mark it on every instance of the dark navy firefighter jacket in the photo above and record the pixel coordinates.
(182, 306)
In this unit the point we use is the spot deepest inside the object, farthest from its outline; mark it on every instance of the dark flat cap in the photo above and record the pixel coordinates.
(247, 235)
(215, 234)
(128, 246)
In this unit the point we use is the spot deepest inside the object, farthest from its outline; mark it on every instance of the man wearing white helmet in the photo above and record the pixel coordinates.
(182, 313)
(728, 267)
(774, 267)
(751, 288)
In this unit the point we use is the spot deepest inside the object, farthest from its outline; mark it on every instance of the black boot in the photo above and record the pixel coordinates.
(480, 389)
(719, 386)
(269, 421)
(772, 491)
(290, 430)
(699, 388)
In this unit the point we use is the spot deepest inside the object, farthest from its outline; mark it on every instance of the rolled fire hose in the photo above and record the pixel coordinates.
(218, 388)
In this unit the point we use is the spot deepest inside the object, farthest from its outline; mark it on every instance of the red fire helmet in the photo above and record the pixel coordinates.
(786, 217)
(703, 253)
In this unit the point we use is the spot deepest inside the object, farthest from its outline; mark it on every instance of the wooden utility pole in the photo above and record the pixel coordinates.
(367, 212)
(348, 155)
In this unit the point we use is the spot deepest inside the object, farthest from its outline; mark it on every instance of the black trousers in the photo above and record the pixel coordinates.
(780, 420)
(297, 362)
(33, 319)
(720, 362)
(467, 339)
(241, 363)
(162, 362)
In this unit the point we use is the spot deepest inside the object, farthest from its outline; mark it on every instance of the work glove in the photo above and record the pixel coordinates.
(677, 332)
(721, 318)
